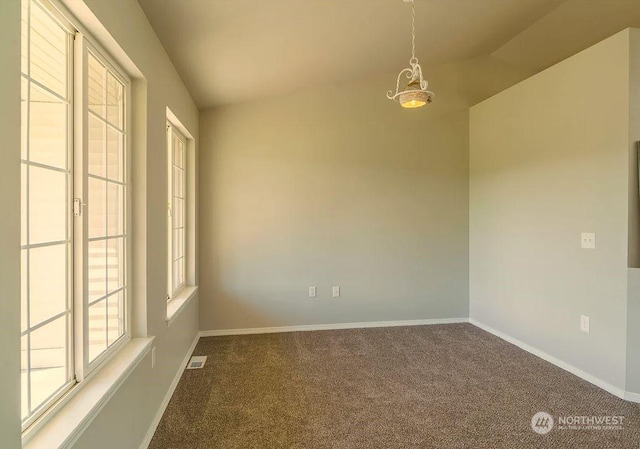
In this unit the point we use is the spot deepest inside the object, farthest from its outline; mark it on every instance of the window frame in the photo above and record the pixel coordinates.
(174, 133)
(83, 46)
(80, 369)
(71, 381)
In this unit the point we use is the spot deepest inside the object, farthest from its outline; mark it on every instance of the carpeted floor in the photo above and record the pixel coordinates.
(440, 387)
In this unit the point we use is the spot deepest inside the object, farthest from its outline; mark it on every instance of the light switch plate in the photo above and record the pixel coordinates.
(588, 240)
(313, 292)
(336, 292)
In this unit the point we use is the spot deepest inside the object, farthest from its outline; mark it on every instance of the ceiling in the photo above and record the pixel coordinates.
(229, 51)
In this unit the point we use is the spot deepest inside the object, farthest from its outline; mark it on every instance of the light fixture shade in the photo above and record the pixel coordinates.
(413, 96)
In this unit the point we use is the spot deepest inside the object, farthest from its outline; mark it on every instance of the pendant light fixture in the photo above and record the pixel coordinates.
(415, 94)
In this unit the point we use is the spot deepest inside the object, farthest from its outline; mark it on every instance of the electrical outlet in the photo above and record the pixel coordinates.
(153, 357)
(336, 292)
(313, 292)
(588, 240)
(584, 323)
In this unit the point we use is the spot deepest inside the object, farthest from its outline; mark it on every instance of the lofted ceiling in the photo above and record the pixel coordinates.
(229, 51)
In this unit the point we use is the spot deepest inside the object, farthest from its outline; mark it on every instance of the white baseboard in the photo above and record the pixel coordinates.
(324, 327)
(167, 397)
(616, 391)
(632, 397)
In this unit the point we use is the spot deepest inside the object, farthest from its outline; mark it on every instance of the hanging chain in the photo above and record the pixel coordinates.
(413, 31)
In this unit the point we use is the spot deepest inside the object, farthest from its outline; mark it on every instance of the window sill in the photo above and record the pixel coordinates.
(177, 304)
(64, 426)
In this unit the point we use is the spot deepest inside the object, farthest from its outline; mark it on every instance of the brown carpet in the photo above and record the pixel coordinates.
(440, 387)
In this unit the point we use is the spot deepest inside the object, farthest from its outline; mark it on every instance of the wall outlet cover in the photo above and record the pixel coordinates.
(588, 240)
(585, 324)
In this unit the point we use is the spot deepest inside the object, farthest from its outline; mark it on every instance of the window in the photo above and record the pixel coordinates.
(46, 217)
(103, 231)
(177, 144)
(74, 202)
(181, 217)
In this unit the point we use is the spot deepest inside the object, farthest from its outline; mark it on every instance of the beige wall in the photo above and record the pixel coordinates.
(634, 140)
(299, 193)
(339, 186)
(633, 312)
(10, 225)
(550, 159)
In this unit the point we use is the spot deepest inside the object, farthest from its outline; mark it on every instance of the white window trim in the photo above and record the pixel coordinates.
(179, 302)
(63, 427)
(62, 424)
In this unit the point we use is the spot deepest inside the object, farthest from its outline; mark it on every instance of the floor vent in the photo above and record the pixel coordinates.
(197, 361)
